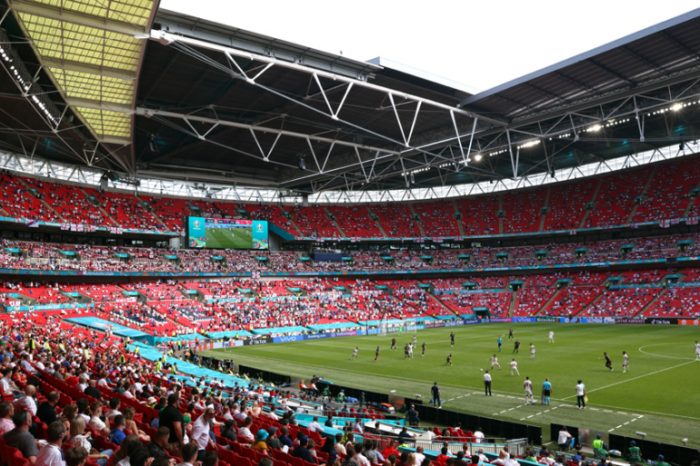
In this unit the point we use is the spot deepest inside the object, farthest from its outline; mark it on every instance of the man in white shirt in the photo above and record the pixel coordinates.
(580, 394)
(200, 431)
(315, 426)
(51, 454)
(479, 435)
(27, 401)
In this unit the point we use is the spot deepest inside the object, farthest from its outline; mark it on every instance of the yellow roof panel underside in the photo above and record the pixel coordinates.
(83, 44)
(106, 122)
(66, 30)
(134, 12)
(93, 87)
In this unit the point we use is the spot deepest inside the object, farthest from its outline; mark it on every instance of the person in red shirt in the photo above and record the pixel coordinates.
(442, 457)
(391, 450)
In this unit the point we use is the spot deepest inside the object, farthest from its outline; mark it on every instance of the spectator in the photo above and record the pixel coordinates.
(7, 410)
(171, 418)
(117, 434)
(51, 454)
(20, 438)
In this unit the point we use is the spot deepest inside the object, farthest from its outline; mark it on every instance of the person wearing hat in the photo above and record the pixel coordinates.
(260, 444)
(634, 453)
(200, 431)
(661, 461)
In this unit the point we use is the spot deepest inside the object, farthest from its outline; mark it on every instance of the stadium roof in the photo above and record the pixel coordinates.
(222, 105)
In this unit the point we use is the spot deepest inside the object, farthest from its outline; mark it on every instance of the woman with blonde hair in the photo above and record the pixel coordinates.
(132, 428)
(79, 439)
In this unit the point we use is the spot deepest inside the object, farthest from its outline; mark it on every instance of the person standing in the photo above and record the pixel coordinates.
(527, 386)
(546, 392)
(449, 359)
(452, 339)
(393, 344)
(355, 352)
(494, 362)
(697, 350)
(516, 346)
(514, 367)
(533, 351)
(435, 391)
(634, 453)
(625, 362)
(376, 353)
(499, 342)
(510, 333)
(422, 350)
(551, 336)
(487, 384)
(580, 394)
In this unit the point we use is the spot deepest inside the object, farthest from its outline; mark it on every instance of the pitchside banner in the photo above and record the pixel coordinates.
(660, 321)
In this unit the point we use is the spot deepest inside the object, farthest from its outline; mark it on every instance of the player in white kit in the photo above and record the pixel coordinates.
(514, 367)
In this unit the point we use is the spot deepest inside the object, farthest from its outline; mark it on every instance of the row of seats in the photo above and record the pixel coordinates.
(173, 307)
(48, 256)
(653, 193)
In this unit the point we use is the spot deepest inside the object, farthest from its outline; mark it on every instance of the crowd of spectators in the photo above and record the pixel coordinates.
(49, 256)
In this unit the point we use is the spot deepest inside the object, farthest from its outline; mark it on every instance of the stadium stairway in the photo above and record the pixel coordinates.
(545, 209)
(46, 204)
(455, 216)
(641, 195)
(442, 304)
(514, 302)
(331, 217)
(147, 206)
(651, 304)
(288, 216)
(501, 227)
(593, 302)
(376, 221)
(99, 206)
(417, 218)
(594, 197)
(548, 304)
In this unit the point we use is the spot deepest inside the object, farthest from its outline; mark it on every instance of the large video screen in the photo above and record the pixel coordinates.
(220, 233)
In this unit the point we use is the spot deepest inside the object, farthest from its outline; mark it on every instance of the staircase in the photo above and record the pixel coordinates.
(651, 304)
(593, 301)
(543, 217)
(146, 206)
(593, 199)
(636, 205)
(500, 219)
(46, 204)
(548, 304)
(514, 303)
(100, 208)
(458, 220)
(291, 221)
(376, 221)
(415, 215)
(442, 304)
(331, 217)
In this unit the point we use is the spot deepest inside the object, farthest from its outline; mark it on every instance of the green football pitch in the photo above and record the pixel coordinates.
(234, 238)
(659, 395)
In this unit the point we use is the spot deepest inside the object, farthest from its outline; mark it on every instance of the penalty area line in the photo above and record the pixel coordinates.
(634, 378)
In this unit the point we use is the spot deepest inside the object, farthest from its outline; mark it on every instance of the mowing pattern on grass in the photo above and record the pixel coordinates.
(659, 395)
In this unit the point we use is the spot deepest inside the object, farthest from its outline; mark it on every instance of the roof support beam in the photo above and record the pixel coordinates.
(70, 65)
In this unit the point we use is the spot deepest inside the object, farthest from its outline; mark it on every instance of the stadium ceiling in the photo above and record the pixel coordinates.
(222, 105)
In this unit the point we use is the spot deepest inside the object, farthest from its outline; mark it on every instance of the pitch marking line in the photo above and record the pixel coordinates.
(627, 423)
(656, 355)
(634, 378)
